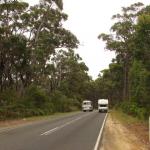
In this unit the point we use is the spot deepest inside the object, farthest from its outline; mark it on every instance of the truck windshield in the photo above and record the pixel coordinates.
(86, 103)
(103, 105)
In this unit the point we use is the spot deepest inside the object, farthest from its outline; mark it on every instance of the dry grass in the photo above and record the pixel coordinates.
(16, 122)
(123, 132)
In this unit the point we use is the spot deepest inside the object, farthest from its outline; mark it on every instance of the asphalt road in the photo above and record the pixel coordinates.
(75, 132)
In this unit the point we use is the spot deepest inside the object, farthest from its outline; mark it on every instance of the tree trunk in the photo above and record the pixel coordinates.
(126, 81)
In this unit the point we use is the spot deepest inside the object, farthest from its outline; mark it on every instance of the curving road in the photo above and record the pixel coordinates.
(74, 132)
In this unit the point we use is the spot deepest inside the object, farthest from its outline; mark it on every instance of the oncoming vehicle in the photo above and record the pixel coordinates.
(87, 105)
(103, 105)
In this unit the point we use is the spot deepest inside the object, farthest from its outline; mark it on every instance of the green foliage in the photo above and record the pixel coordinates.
(139, 84)
(40, 73)
(132, 108)
(110, 83)
(127, 81)
(36, 59)
(29, 38)
(8, 97)
(62, 103)
(34, 102)
(35, 97)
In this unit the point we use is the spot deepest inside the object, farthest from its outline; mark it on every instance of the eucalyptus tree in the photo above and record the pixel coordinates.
(121, 40)
(140, 70)
(47, 34)
(142, 37)
(70, 73)
(29, 37)
(13, 54)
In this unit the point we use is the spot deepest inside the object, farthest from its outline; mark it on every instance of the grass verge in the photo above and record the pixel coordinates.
(134, 125)
(16, 122)
(127, 119)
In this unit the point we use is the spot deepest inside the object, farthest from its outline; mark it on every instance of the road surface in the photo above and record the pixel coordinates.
(74, 132)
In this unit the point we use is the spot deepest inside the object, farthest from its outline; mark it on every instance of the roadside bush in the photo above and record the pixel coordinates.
(10, 105)
(133, 109)
(35, 97)
(10, 112)
(8, 97)
(37, 102)
(34, 102)
(62, 103)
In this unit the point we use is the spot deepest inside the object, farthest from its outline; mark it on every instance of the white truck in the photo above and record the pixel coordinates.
(87, 105)
(103, 105)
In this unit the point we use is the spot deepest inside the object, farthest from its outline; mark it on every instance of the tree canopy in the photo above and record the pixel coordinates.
(128, 77)
(37, 58)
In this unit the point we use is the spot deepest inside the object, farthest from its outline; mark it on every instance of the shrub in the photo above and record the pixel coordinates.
(8, 97)
(62, 103)
(132, 108)
(35, 97)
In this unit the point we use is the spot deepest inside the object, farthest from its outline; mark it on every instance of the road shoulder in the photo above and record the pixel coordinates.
(25, 121)
(119, 136)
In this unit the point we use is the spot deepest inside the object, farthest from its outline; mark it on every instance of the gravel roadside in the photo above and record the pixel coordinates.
(117, 136)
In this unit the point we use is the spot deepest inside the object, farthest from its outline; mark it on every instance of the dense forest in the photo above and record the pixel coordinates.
(40, 73)
(127, 81)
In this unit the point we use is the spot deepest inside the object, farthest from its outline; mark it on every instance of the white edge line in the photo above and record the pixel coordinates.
(100, 134)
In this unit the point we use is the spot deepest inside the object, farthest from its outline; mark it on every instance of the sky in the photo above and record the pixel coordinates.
(86, 20)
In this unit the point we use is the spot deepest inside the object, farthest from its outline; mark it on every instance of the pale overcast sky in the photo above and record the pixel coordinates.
(87, 19)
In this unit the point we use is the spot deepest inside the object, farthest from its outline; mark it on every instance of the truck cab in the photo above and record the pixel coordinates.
(87, 105)
(103, 105)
